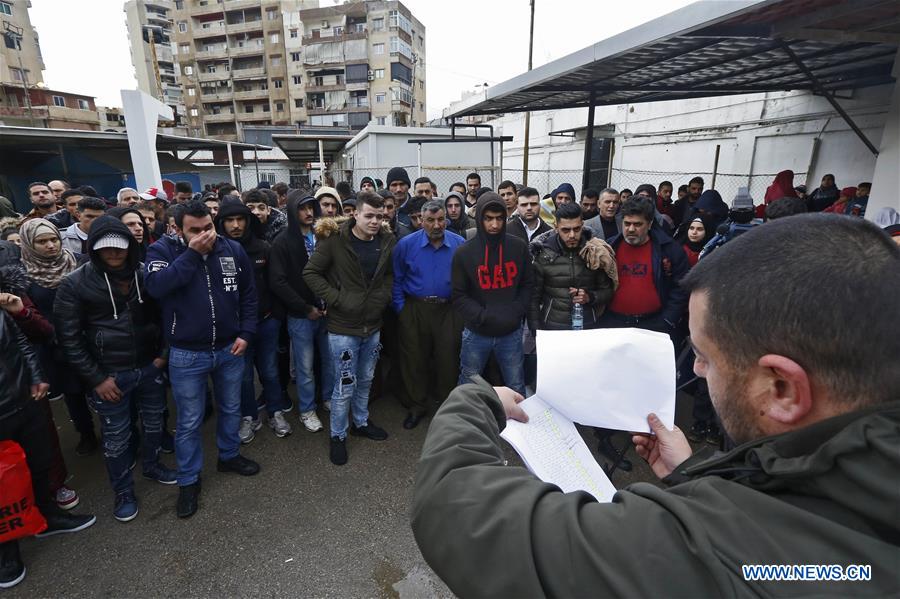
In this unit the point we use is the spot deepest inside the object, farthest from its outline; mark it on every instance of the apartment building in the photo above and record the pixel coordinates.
(355, 63)
(292, 63)
(149, 24)
(47, 108)
(20, 48)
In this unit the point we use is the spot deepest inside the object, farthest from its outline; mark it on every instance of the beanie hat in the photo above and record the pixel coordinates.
(398, 173)
(369, 179)
(743, 200)
(329, 191)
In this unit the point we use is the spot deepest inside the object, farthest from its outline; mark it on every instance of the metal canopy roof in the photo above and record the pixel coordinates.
(715, 48)
(304, 147)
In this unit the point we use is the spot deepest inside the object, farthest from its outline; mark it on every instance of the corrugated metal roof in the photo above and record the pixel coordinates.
(713, 48)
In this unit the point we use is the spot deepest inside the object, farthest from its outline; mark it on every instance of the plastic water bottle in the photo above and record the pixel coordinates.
(577, 317)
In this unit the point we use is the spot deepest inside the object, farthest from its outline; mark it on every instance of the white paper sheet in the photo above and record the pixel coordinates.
(611, 378)
(551, 447)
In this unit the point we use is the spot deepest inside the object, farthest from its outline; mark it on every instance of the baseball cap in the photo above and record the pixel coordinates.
(111, 240)
(154, 193)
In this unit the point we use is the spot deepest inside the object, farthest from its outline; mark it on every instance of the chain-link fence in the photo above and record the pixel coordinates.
(726, 184)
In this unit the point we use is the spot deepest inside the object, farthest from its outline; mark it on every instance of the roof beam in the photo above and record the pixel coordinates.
(756, 30)
(830, 97)
(809, 20)
(833, 35)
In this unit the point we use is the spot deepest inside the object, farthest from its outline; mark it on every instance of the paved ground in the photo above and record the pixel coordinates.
(302, 527)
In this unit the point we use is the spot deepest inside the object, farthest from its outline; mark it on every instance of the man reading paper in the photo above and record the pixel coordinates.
(807, 391)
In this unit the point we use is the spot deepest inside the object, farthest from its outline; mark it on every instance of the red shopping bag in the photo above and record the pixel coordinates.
(18, 515)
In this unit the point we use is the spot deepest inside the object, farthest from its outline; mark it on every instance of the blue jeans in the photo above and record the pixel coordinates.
(476, 349)
(188, 372)
(143, 391)
(353, 360)
(262, 351)
(308, 336)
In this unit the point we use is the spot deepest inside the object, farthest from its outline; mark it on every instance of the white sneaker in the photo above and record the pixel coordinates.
(279, 424)
(248, 429)
(311, 421)
(66, 498)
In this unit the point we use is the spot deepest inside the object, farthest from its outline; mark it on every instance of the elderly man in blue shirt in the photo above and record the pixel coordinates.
(429, 328)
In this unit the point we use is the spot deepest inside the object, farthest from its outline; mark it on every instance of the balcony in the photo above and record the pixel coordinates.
(248, 50)
(254, 116)
(249, 73)
(343, 37)
(222, 117)
(253, 94)
(219, 76)
(336, 87)
(237, 4)
(219, 96)
(214, 54)
(245, 26)
(214, 29)
(320, 109)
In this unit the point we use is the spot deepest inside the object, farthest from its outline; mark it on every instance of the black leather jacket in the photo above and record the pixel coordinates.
(19, 367)
(98, 338)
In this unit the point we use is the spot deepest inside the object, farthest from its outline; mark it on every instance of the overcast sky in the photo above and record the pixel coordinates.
(468, 42)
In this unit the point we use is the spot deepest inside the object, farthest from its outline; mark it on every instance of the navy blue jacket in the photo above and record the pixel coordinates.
(206, 303)
(666, 277)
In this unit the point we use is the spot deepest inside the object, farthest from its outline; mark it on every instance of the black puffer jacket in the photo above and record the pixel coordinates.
(19, 367)
(556, 269)
(100, 329)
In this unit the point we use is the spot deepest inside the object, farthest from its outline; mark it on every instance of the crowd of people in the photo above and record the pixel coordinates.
(112, 304)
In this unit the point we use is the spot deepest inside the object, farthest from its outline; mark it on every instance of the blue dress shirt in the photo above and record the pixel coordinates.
(420, 269)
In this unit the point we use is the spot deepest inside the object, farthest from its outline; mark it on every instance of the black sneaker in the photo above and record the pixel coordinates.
(188, 500)
(238, 464)
(12, 569)
(338, 452)
(698, 431)
(369, 431)
(87, 445)
(58, 524)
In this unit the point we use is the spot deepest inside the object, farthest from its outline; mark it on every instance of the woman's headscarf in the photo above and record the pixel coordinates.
(781, 187)
(886, 217)
(7, 209)
(44, 271)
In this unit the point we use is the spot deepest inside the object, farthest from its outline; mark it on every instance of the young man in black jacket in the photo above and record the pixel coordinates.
(492, 283)
(305, 312)
(109, 330)
(237, 222)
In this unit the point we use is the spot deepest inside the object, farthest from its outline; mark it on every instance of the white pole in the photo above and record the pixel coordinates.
(419, 158)
(321, 164)
(230, 162)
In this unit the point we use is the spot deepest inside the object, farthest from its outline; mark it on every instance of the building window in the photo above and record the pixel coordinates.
(338, 30)
(421, 41)
(182, 26)
(211, 68)
(248, 108)
(295, 57)
(380, 120)
(298, 103)
(83, 105)
(278, 83)
(16, 74)
(59, 101)
(378, 24)
(378, 48)
(272, 14)
(297, 79)
(279, 106)
(195, 112)
(179, 5)
(379, 73)
(184, 48)
(275, 60)
(5, 8)
(265, 108)
(380, 97)
(188, 70)
(274, 38)
(192, 92)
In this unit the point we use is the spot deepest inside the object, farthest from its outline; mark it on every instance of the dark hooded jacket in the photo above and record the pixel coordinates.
(709, 204)
(822, 197)
(257, 250)
(355, 305)
(101, 328)
(461, 224)
(491, 277)
(20, 368)
(287, 261)
(823, 494)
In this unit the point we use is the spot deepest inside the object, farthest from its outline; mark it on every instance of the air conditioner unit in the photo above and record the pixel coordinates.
(324, 24)
(371, 76)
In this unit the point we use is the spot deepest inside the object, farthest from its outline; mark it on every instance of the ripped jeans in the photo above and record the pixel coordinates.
(353, 360)
(141, 388)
